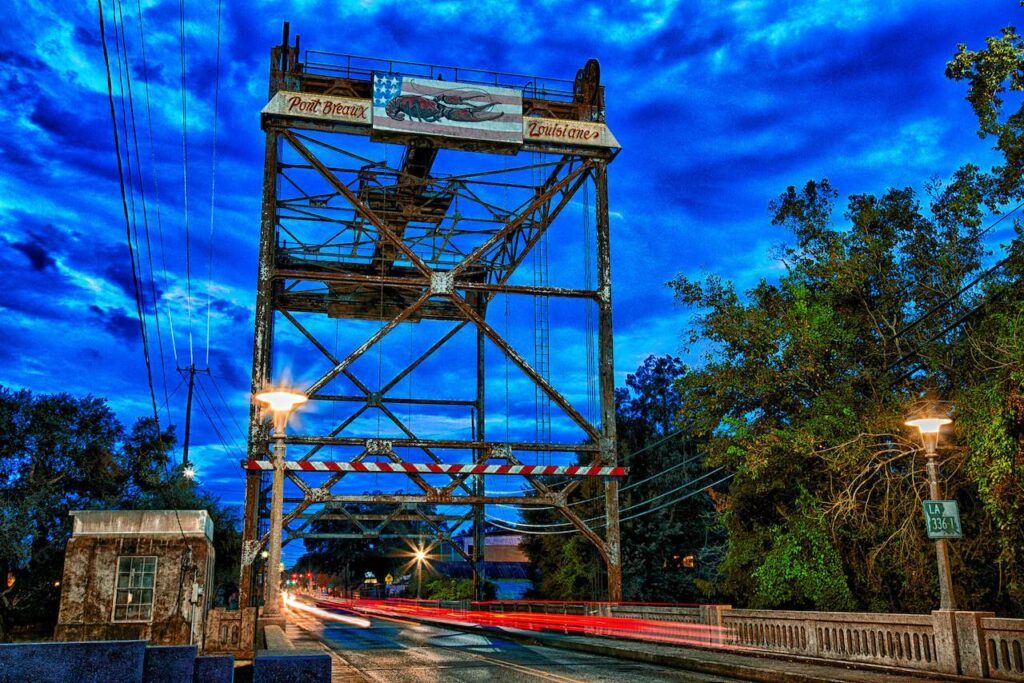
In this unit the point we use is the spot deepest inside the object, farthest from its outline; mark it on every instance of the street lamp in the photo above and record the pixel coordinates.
(281, 404)
(929, 428)
(420, 556)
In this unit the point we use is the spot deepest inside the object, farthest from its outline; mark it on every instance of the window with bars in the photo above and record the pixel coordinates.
(133, 596)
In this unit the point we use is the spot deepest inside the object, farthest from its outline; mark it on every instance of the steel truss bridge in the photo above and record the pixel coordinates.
(416, 256)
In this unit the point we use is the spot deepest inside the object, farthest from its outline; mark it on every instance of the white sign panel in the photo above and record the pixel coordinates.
(536, 129)
(323, 107)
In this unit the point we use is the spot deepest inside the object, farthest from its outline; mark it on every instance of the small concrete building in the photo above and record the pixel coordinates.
(137, 574)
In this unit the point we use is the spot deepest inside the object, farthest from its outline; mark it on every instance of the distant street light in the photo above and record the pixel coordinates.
(188, 472)
(281, 404)
(929, 428)
(421, 557)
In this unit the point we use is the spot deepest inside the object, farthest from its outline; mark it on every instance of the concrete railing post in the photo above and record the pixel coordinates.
(713, 616)
(970, 643)
(813, 646)
(944, 628)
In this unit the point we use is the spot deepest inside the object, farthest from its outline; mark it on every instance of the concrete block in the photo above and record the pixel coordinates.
(214, 669)
(100, 661)
(297, 666)
(275, 638)
(169, 663)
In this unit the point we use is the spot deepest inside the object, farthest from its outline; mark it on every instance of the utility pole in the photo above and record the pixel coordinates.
(188, 411)
(191, 370)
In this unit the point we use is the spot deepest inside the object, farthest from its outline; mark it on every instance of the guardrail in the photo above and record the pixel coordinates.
(969, 643)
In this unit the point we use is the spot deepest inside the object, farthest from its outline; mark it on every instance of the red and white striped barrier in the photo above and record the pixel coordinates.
(433, 468)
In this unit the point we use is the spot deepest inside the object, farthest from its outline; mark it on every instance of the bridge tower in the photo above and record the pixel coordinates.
(400, 204)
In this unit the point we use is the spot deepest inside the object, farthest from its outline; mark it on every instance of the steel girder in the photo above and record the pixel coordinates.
(416, 279)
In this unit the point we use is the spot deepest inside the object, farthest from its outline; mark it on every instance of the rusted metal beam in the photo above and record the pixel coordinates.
(359, 206)
(514, 356)
(365, 346)
(337, 276)
(444, 443)
(606, 379)
(409, 517)
(396, 400)
(432, 499)
(517, 223)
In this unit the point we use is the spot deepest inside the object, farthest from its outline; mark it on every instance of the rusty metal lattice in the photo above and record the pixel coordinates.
(384, 246)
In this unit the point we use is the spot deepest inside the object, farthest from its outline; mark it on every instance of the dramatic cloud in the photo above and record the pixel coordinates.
(718, 106)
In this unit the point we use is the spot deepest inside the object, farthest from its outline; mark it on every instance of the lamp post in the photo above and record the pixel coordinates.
(929, 428)
(281, 404)
(421, 556)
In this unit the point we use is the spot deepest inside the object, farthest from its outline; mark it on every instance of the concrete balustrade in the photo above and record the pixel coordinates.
(960, 642)
(1002, 642)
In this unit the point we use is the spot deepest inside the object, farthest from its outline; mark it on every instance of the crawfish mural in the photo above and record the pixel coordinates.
(454, 105)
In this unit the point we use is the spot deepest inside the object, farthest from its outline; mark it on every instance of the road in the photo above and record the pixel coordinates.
(401, 651)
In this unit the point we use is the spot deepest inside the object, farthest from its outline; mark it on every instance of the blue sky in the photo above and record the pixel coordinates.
(718, 106)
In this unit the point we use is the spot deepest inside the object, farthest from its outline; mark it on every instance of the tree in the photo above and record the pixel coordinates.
(660, 535)
(57, 453)
(60, 453)
(991, 419)
(805, 387)
(989, 73)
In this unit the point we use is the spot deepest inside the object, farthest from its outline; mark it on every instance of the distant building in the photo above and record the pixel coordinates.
(505, 563)
(500, 545)
(137, 575)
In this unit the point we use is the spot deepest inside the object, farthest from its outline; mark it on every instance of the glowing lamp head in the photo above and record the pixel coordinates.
(929, 427)
(420, 555)
(188, 472)
(281, 404)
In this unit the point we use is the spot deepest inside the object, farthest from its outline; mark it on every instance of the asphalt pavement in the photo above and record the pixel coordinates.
(401, 651)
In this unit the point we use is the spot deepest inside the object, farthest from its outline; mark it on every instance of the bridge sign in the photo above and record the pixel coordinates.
(942, 519)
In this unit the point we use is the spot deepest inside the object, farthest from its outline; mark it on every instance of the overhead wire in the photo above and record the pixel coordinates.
(661, 495)
(672, 468)
(213, 186)
(124, 206)
(156, 184)
(227, 407)
(503, 524)
(215, 411)
(142, 198)
(184, 166)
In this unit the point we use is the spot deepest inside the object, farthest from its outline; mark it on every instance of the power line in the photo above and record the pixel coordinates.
(184, 166)
(662, 473)
(496, 522)
(124, 206)
(682, 486)
(156, 185)
(213, 186)
(145, 210)
(216, 386)
(215, 410)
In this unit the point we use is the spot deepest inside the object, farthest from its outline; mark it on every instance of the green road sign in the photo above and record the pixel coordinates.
(942, 519)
